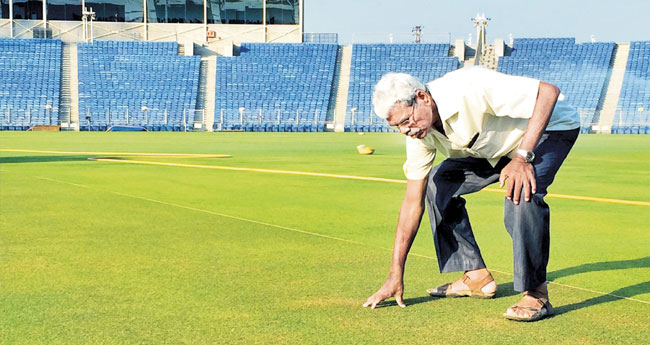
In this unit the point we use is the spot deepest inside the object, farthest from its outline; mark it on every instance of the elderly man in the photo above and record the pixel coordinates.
(491, 127)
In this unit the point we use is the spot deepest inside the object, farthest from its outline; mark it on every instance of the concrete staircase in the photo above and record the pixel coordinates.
(469, 57)
(488, 58)
(339, 98)
(612, 92)
(207, 87)
(69, 104)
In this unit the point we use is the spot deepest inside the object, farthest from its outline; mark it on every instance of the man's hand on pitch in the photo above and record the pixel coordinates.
(392, 287)
(518, 174)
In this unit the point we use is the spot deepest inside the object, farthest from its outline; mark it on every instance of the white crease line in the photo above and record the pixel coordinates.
(64, 182)
(240, 219)
(317, 234)
(353, 177)
(598, 292)
(270, 171)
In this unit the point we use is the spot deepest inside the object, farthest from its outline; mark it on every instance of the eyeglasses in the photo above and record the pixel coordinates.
(408, 119)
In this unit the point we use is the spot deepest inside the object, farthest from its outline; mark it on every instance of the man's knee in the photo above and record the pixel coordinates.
(527, 214)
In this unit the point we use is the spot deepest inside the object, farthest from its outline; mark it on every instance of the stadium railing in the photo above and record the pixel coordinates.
(634, 101)
(370, 61)
(275, 87)
(30, 82)
(579, 70)
(137, 83)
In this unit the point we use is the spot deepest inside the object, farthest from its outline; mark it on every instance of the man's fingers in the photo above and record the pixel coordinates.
(377, 301)
(509, 186)
(372, 301)
(502, 179)
(369, 301)
(533, 184)
(526, 190)
(400, 300)
(517, 191)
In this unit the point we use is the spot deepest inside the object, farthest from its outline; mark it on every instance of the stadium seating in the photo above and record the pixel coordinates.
(136, 83)
(371, 61)
(275, 87)
(579, 70)
(633, 111)
(30, 82)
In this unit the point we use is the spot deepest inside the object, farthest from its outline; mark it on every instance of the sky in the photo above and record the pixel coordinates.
(373, 20)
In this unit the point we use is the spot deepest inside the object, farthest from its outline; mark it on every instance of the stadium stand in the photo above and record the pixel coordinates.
(275, 87)
(371, 61)
(633, 111)
(30, 82)
(579, 70)
(136, 83)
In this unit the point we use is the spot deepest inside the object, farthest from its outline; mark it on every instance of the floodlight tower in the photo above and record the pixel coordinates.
(417, 32)
(87, 14)
(480, 23)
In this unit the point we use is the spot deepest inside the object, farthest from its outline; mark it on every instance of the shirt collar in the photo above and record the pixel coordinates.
(444, 97)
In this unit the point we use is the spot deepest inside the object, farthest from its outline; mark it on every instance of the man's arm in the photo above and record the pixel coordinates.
(410, 216)
(518, 173)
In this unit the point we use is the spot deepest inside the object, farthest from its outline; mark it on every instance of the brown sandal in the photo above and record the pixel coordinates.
(475, 288)
(542, 309)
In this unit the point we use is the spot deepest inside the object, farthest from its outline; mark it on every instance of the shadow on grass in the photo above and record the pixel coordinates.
(407, 301)
(600, 266)
(42, 159)
(507, 289)
(628, 291)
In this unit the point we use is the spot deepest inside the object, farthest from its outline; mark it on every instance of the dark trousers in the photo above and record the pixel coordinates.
(527, 223)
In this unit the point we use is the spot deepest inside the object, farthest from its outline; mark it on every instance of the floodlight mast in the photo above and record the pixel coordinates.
(86, 14)
(480, 23)
(417, 32)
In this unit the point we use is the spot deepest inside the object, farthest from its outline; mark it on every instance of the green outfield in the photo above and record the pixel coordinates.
(126, 251)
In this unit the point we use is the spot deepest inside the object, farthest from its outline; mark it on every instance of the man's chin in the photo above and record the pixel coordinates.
(421, 134)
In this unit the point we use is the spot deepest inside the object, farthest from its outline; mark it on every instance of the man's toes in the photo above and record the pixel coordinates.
(512, 311)
(491, 287)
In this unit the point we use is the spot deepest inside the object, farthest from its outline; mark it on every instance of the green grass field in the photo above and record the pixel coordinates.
(119, 253)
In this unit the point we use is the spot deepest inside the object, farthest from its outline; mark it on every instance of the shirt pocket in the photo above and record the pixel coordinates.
(498, 137)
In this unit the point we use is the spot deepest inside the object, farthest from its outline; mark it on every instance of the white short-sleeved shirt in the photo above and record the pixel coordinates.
(484, 114)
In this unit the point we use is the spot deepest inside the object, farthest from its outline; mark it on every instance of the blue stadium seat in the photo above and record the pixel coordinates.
(137, 83)
(633, 111)
(276, 86)
(30, 82)
(371, 61)
(579, 70)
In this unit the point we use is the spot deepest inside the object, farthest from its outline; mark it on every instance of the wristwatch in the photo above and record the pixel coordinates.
(528, 156)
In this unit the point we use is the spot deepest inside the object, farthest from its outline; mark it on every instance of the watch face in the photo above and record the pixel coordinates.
(530, 156)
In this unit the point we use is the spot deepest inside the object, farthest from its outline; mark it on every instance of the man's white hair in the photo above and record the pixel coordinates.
(393, 88)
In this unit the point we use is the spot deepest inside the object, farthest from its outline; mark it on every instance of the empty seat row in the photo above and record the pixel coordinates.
(136, 83)
(30, 82)
(578, 70)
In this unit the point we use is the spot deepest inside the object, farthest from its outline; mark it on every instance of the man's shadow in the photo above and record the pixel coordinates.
(507, 290)
(618, 294)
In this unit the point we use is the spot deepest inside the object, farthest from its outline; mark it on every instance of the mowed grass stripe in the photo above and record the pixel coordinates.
(353, 177)
(138, 154)
(310, 233)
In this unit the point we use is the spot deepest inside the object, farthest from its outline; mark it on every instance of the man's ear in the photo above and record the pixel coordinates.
(423, 96)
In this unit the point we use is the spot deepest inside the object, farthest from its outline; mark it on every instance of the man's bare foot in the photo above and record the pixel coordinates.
(533, 305)
(475, 275)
